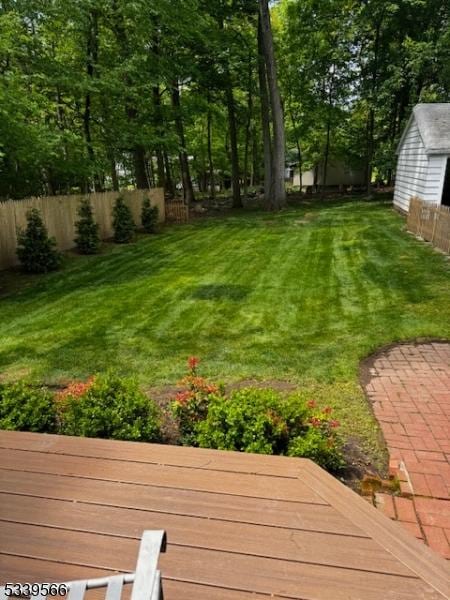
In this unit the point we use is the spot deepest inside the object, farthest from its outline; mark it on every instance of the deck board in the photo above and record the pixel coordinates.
(207, 505)
(196, 458)
(239, 526)
(301, 546)
(222, 482)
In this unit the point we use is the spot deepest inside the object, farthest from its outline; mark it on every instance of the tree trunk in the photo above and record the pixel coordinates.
(140, 167)
(212, 184)
(278, 146)
(370, 132)
(159, 129)
(231, 109)
(62, 125)
(161, 179)
(326, 156)
(168, 176)
(184, 163)
(249, 122)
(371, 116)
(328, 134)
(232, 129)
(256, 167)
(114, 178)
(299, 150)
(91, 60)
(150, 171)
(265, 122)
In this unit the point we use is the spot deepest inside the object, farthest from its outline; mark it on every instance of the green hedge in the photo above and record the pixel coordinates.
(111, 407)
(265, 422)
(27, 408)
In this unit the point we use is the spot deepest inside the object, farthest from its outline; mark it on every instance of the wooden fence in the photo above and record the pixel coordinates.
(430, 222)
(60, 213)
(177, 211)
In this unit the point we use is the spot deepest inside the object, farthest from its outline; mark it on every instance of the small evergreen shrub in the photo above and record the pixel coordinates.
(27, 408)
(149, 216)
(35, 249)
(190, 406)
(123, 224)
(87, 240)
(109, 406)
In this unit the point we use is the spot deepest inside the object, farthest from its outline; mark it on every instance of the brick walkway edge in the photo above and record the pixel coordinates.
(409, 387)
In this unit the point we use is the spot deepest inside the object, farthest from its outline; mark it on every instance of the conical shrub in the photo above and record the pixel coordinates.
(35, 249)
(87, 240)
(123, 224)
(149, 216)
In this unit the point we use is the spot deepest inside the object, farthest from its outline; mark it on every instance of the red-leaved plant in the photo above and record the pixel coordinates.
(74, 389)
(190, 405)
(320, 441)
(321, 419)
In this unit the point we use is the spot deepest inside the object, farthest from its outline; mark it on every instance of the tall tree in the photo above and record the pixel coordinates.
(277, 198)
(184, 161)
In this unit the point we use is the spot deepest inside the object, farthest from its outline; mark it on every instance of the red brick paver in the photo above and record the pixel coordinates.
(409, 387)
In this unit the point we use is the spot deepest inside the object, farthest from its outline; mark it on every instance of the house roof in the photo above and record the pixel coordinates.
(433, 121)
(239, 526)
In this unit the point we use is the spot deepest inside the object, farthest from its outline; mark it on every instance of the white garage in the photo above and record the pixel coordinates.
(423, 166)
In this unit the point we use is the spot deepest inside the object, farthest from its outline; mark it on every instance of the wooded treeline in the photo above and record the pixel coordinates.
(99, 94)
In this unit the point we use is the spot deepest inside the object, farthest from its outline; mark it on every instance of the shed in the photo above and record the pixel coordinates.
(423, 166)
(339, 173)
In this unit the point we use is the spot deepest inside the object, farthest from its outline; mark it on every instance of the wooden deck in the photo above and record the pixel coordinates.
(239, 526)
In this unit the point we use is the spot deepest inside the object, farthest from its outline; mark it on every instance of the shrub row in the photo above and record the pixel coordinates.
(106, 406)
(37, 252)
(248, 420)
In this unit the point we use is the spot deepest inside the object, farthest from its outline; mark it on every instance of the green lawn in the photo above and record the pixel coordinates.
(302, 295)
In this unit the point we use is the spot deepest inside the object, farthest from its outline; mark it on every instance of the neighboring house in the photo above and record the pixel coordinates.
(423, 167)
(339, 174)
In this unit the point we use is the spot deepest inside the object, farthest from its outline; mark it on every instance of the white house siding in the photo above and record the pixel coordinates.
(432, 190)
(412, 169)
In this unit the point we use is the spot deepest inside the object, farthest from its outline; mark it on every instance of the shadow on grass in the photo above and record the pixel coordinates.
(220, 292)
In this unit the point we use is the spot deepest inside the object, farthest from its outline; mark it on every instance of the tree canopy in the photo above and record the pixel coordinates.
(101, 94)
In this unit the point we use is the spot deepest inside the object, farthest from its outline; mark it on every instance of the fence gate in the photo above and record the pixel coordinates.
(177, 211)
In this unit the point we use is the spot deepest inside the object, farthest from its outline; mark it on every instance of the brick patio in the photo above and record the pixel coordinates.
(410, 390)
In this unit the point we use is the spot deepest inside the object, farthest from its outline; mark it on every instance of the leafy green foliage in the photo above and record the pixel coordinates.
(350, 81)
(262, 421)
(82, 86)
(149, 216)
(123, 224)
(35, 250)
(27, 408)
(111, 407)
(250, 420)
(320, 448)
(87, 240)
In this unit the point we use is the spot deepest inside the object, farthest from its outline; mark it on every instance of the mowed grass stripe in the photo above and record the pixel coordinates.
(255, 295)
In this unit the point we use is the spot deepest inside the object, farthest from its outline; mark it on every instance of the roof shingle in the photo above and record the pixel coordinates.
(433, 121)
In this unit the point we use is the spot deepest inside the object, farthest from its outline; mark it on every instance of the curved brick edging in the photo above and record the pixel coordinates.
(409, 387)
